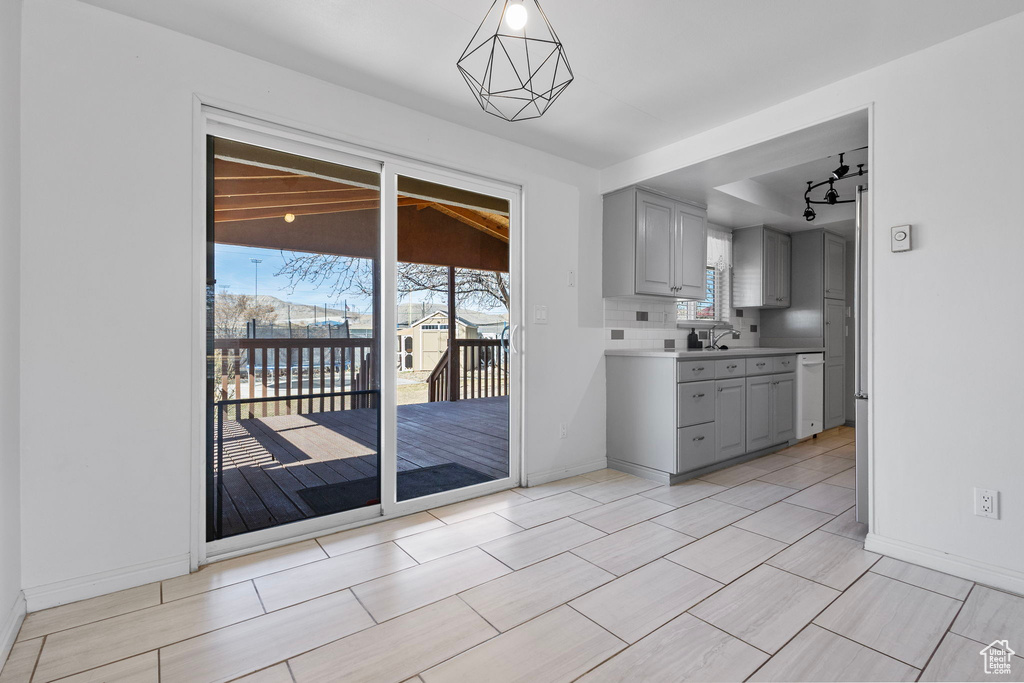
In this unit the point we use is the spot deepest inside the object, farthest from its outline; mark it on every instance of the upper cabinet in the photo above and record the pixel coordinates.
(835, 267)
(761, 268)
(653, 246)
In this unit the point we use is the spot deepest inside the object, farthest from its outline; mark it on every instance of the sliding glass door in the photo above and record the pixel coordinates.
(293, 248)
(360, 340)
(453, 338)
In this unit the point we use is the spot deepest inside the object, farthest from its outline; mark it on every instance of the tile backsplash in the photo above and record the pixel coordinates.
(635, 323)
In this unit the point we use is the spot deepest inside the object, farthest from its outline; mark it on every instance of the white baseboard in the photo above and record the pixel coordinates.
(10, 627)
(990, 575)
(73, 590)
(551, 475)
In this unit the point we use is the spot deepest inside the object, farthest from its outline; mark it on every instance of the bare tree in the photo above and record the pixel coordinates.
(233, 311)
(342, 275)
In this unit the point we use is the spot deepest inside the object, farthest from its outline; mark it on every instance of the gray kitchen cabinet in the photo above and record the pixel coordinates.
(759, 412)
(817, 315)
(655, 267)
(716, 418)
(835, 363)
(695, 447)
(835, 267)
(771, 410)
(730, 418)
(783, 408)
(761, 268)
(653, 246)
(783, 276)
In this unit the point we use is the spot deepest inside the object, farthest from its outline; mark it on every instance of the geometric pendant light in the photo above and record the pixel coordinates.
(515, 64)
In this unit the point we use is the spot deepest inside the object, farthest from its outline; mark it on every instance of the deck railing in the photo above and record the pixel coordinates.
(478, 370)
(305, 374)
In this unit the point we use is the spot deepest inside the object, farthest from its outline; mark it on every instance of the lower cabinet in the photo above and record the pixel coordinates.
(730, 420)
(771, 408)
(695, 447)
(715, 420)
(759, 414)
(783, 408)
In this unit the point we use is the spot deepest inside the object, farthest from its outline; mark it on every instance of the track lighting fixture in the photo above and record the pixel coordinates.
(832, 196)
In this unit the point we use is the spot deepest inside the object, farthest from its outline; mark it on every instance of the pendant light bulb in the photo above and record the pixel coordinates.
(516, 16)
(289, 217)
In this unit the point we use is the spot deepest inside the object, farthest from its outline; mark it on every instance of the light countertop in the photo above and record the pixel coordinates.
(695, 354)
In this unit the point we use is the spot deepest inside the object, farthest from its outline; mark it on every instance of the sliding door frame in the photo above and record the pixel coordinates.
(388, 399)
(211, 119)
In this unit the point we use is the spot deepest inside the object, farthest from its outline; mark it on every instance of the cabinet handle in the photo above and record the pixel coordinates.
(730, 367)
(700, 369)
(721, 389)
(760, 365)
(698, 438)
(698, 395)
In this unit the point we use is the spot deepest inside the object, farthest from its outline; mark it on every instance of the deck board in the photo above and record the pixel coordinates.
(268, 460)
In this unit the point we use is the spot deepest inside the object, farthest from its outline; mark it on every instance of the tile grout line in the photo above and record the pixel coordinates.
(945, 633)
(907, 583)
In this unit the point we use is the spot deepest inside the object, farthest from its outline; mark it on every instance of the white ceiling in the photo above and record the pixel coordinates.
(764, 184)
(647, 73)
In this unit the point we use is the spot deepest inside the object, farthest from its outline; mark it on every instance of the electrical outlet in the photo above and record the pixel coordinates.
(986, 503)
(563, 431)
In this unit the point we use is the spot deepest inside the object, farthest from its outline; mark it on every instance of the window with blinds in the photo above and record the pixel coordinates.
(715, 305)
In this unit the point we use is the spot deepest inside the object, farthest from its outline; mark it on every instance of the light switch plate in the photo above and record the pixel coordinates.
(900, 238)
(540, 315)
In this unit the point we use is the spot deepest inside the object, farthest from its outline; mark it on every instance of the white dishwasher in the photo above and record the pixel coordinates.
(810, 394)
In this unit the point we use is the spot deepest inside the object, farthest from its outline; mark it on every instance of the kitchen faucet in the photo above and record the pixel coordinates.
(713, 340)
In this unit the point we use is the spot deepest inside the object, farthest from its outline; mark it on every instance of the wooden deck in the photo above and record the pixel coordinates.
(268, 460)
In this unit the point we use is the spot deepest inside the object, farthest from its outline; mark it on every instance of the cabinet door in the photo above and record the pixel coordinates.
(835, 267)
(770, 270)
(730, 418)
(835, 332)
(758, 417)
(655, 245)
(783, 408)
(783, 277)
(691, 252)
(835, 395)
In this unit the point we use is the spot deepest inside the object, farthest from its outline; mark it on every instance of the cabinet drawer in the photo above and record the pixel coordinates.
(695, 403)
(784, 363)
(695, 447)
(730, 368)
(693, 370)
(760, 366)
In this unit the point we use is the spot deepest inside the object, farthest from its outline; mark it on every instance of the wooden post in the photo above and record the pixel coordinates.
(453, 356)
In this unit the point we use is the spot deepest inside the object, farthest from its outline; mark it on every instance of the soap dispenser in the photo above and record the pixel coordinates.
(692, 341)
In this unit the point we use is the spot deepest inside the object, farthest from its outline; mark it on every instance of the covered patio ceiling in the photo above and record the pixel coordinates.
(335, 210)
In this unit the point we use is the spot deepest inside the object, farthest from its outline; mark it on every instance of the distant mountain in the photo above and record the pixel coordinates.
(407, 312)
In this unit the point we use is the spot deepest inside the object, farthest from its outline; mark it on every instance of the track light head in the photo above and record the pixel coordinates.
(809, 214)
(832, 196)
(842, 170)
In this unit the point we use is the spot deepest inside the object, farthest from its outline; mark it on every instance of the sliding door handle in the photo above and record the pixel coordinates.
(512, 339)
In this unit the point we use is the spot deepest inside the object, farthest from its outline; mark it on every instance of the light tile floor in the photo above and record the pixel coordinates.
(756, 572)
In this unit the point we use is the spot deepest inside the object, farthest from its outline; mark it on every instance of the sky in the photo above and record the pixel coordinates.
(238, 274)
(235, 271)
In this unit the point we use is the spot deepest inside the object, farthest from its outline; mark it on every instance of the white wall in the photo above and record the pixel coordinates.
(946, 411)
(10, 210)
(107, 195)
